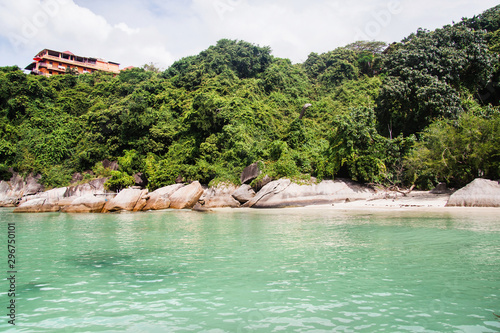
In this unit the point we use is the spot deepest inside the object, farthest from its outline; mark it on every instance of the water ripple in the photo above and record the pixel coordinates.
(260, 272)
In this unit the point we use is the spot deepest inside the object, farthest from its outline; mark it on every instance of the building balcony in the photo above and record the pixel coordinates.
(82, 63)
(52, 67)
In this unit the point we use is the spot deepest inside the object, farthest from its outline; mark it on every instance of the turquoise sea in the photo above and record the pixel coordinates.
(283, 270)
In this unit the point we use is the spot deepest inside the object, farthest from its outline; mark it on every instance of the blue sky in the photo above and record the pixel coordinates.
(133, 32)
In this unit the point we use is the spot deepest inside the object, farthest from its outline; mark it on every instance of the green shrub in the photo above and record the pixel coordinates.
(457, 152)
(119, 180)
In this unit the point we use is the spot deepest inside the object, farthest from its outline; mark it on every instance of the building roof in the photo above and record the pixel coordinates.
(71, 53)
(31, 66)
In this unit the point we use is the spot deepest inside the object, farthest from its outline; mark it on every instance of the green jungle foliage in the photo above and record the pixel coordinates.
(421, 111)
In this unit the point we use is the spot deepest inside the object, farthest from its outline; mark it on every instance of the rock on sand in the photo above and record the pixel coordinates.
(284, 193)
(479, 193)
(128, 199)
(187, 196)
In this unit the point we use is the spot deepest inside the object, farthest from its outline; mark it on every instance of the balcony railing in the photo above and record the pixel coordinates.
(69, 61)
(52, 67)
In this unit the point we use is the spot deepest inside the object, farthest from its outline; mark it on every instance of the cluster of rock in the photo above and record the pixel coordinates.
(279, 193)
(98, 200)
(28, 196)
(17, 187)
(86, 195)
(266, 193)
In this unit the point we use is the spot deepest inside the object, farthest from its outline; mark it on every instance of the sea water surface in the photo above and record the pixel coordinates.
(286, 270)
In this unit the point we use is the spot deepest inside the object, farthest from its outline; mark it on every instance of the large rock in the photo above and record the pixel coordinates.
(261, 183)
(244, 193)
(17, 189)
(200, 208)
(76, 178)
(86, 204)
(478, 193)
(64, 202)
(95, 186)
(54, 195)
(17, 183)
(220, 196)
(159, 199)
(250, 173)
(6, 197)
(187, 196)
(441, 188)
(269, 190)
(140, 179)
(4, 187)
(17, 192)
(142, 202)
(107, 164)
(157, 202)
(284, 193)
(129, 199)
(168, 190)
(32, 186)
(37, 206)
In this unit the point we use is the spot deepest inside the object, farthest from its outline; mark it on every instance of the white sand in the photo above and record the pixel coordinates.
(416, 200)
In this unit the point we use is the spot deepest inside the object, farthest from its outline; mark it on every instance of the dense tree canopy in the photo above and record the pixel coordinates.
(421, 111)
(431, 76)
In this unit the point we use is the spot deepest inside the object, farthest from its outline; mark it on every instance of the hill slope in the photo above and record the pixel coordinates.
(423, 111)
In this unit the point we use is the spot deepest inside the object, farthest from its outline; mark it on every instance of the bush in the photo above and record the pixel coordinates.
(55, 176)
(119, 180)
(457, 152)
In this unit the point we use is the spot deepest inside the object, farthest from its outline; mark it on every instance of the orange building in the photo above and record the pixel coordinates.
(49, 62)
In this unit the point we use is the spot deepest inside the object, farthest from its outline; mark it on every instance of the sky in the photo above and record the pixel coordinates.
(134, 32)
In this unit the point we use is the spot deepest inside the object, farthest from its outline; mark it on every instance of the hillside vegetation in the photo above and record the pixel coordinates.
(426, 110)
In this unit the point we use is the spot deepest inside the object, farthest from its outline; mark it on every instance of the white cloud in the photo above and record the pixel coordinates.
(135, 32)
(64, 25)
(125, 28)
(293, 29)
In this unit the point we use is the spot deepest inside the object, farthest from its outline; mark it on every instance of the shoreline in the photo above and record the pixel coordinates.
(417, 201)
(361, 206)
(335, 195)
(344, 209)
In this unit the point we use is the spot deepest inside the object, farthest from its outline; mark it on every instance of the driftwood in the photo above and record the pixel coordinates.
(404, 193)
(393, 188)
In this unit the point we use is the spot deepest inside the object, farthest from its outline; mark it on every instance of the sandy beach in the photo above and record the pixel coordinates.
(418, 201)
